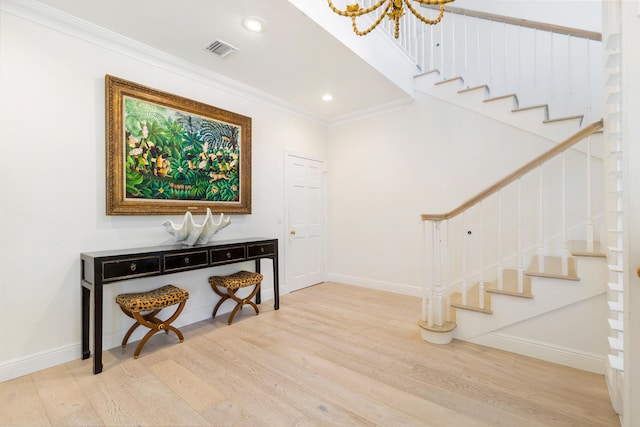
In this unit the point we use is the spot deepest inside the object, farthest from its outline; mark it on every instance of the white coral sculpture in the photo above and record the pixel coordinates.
(189, 233)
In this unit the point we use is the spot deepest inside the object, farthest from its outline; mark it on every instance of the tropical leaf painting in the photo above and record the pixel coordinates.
(172, 155)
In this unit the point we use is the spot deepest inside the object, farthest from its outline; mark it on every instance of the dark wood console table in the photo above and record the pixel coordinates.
(105, 267)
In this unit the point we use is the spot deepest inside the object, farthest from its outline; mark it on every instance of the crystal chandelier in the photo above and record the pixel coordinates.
(394, 10)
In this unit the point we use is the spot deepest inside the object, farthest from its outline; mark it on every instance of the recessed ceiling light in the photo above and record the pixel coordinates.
(327, 97)
(255, 24)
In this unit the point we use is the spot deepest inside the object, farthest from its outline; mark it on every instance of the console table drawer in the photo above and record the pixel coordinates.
(130, 268)
(220, 256)
(257, 251)
(185, 260)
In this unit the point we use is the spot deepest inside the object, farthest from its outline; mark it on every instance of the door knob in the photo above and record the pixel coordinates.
(293, 232)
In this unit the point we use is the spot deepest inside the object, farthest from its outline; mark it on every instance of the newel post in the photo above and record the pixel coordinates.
(435, 320)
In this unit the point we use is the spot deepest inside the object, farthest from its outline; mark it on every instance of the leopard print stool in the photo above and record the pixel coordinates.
(232, 283)
(152, 301)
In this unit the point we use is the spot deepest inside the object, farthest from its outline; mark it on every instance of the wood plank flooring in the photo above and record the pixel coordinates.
(333, 355)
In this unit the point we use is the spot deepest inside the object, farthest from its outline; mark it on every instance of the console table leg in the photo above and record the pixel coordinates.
(86, 308)
(97, 329)
(259, 295)
(276, 281)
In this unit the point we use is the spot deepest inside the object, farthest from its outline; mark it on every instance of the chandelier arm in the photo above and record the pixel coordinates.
(422, 18)
(373, 26)
(358, 11)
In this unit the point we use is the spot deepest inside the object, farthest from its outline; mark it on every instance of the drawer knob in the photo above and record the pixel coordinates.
(186, 260)
(228, 254)
(262, 250)
(133, 266)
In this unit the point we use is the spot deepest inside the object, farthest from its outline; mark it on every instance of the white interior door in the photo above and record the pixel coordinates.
(305, 234)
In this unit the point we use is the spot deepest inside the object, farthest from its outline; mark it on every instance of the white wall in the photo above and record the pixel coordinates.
(52, 171)
(386, 171)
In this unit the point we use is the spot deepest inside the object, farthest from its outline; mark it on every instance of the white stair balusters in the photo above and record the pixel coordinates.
(551, 73)
(540, 250)
(464, 260)
(512, 56)
(589, 201)
(565, 249)
(510, 217)
(519, 232)
(465, 49)
(481, 284)
(500, 254)
(443, 48)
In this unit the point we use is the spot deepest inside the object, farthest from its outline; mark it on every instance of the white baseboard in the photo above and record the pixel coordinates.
(540, 350)
(46, 359)
(397, 288)
(38, 361)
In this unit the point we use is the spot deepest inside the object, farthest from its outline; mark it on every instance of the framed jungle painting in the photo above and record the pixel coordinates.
(167, 154)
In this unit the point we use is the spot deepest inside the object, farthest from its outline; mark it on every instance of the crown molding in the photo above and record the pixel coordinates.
(377, 110)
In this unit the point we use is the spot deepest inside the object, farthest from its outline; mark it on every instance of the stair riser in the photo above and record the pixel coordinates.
(548, 295)
(500, 109)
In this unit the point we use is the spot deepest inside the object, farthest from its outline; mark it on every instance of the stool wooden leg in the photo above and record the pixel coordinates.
(241, 302)
(223, 298)
(156, 327)
(238, 306)
(247, 300)
(135, 325)
(167, 323)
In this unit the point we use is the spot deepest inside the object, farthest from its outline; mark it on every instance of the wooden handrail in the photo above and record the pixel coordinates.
(568, 143)
(575, 32)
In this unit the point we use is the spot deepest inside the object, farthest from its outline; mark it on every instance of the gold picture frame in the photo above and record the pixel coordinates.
(166, 154)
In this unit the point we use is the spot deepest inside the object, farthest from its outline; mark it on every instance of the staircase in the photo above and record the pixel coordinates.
(543, 292)
(503, 108)
(514, 252)
(590, 283)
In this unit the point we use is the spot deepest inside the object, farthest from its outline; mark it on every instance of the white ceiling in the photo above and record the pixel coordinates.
(292, 59)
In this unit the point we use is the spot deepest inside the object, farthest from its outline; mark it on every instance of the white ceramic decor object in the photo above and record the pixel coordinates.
(179, 232)
(211, 227)
(189, 233)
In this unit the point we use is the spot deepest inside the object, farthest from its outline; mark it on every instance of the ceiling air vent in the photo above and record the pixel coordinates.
(221, 48)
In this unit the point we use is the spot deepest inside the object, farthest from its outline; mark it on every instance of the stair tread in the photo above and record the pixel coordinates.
(553, 268)
(579, 248)
(531, 107)
(452, 79)
(510, 285)
(472, 300)
(470, 89)
(496, 98)
(560, 119)
(427, 73)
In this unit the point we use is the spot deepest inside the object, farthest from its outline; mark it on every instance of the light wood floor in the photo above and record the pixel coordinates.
(332, 355)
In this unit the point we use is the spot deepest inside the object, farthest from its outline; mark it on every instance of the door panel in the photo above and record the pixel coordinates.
(304, 252)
